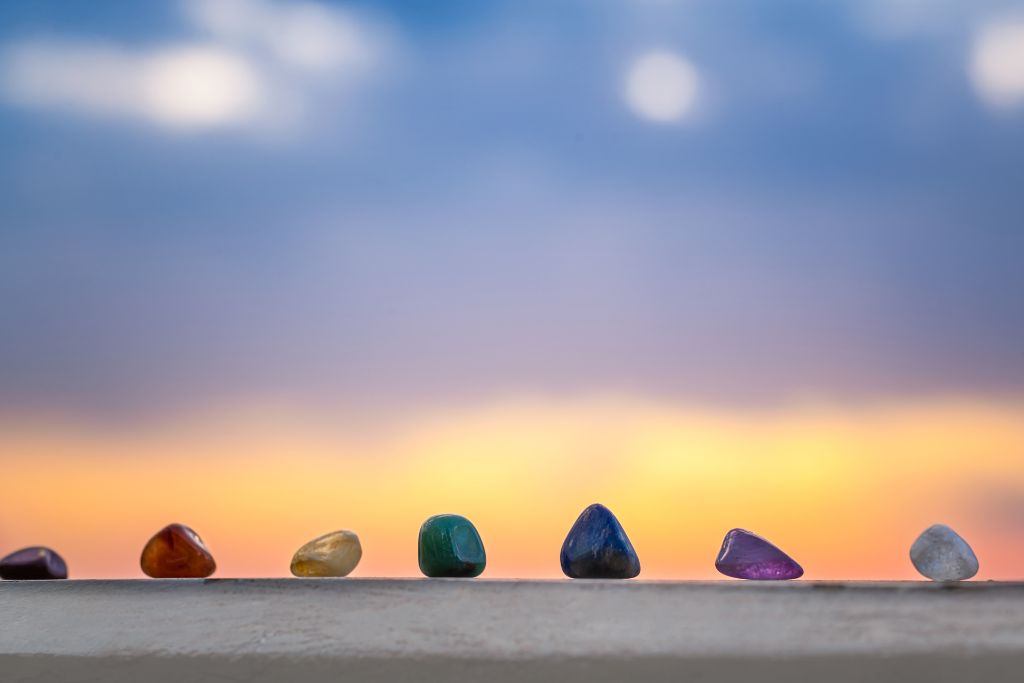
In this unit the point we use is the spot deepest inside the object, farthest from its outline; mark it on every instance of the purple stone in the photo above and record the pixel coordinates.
(748, 556)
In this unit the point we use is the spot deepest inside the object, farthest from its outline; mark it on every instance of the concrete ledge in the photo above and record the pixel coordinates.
(381, 630)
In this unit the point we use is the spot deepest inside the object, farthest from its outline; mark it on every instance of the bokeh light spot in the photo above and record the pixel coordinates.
(662, 87)
(997, 65)
(200, 87)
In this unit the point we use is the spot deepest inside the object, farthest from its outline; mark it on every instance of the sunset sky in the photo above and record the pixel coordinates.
(272, 269)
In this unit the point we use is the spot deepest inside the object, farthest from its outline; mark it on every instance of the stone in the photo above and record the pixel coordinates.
(450, 546)
(745, 555)
(941, 554)
(597, 547)
(33, 564)
(333, 554)
(177, 552)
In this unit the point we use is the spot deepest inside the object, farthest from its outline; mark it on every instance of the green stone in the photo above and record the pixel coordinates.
(451, 546)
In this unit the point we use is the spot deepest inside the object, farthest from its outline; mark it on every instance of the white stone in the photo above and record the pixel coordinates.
(333, 554)
(942, 555)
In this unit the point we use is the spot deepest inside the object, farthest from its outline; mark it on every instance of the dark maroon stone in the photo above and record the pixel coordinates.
(748, 556)
(32, 564)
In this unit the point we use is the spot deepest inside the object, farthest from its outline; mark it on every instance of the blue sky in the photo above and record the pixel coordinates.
(400, 203)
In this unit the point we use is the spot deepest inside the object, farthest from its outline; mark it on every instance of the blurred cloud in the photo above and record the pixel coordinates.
(303, 34)
(244, 71)
(486, 211)
(997, 64)
(662, 87)
(187, 86)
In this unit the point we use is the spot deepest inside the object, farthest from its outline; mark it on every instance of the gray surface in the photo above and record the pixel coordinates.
(364, 629)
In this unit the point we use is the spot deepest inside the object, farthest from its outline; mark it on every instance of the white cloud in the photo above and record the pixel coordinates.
(997, 64)
(302, 34)
(662, 87)
(256, 64)
(96, 78)
(184, 87)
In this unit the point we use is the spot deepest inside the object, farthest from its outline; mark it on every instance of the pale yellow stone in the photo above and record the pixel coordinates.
(333, 554)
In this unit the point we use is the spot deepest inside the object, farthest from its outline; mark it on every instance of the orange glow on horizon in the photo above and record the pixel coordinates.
(843, 490)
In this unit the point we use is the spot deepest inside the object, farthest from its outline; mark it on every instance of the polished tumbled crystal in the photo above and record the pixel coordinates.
(942, 554)
(748, 556)
(450, 546)
(33, 564)
(333, 554)
(177, 552)
(597, 547)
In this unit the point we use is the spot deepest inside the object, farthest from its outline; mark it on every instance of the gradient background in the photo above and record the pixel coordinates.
(271, 269)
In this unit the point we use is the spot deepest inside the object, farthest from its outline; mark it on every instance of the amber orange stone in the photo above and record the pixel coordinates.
(177, 552)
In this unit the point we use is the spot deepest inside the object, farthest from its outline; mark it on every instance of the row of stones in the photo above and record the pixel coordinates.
(596, 547)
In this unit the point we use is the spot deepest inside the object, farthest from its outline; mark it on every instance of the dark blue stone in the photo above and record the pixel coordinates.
(597, 547)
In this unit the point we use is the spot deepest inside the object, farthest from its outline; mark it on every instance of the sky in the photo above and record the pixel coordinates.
(274, 268)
